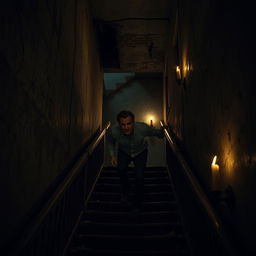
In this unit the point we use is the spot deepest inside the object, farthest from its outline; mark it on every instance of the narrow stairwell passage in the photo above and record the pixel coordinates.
(110, 227)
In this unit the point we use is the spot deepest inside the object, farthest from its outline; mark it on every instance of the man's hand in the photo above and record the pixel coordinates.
(113, 161)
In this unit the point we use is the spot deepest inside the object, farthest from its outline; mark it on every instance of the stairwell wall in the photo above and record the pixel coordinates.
(212, 110)
(50, 101)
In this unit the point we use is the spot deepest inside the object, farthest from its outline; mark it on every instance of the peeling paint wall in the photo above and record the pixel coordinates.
(51, 97)
(212, 111)
(134, 34)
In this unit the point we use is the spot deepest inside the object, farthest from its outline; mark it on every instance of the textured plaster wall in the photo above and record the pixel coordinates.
(50, 100)
(214, 112)
(144, 98)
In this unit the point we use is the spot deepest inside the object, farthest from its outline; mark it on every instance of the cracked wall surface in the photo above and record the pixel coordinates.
(51, 97)
(135, 33)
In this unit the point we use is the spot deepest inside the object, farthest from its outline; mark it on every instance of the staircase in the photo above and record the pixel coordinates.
(109, 227)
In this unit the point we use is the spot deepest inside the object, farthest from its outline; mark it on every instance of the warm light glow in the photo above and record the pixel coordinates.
(216, 180)
(187, 67)
(178, 72)
(214, 160)
(229, 163)
(150, 119)
(214, 166)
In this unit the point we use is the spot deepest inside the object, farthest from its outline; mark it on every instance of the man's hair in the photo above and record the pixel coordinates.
(124, 114)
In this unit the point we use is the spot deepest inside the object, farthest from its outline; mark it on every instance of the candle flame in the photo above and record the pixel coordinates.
(177, 68)
(214, 160)
(150, 119)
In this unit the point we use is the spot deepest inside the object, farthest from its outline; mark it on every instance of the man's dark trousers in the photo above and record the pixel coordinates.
(140, 162)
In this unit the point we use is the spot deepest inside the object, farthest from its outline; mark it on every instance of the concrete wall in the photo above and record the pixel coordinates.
(214, 112)
(50, 100)
(144, 98)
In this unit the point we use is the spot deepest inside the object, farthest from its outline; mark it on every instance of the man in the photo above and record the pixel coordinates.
(129, 137)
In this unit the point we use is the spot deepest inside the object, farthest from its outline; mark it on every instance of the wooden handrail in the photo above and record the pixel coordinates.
(59, 191)
(199, 191)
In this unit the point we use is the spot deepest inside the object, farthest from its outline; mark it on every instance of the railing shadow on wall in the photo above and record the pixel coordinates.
(205, 230)
(51, 228)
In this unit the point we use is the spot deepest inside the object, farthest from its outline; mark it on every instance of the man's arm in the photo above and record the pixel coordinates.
(151, 131)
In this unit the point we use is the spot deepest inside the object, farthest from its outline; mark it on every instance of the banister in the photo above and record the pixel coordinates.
(98, 139)
(59, 191)
(199, 192)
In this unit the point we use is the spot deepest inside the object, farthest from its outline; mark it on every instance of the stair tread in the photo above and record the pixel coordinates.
(130, 252)
(132, 237)
(116, 180)
(130, 242)
(121, 229)
(148, 193)
(90, 211)
(153, 224)
(146, 178)
(115, 196)
(116, 205)
(143, 203)
(145, 185)
(133, 172)
(148, 168)
(130, 217)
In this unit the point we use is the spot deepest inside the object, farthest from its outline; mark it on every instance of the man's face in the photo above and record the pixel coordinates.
(126, 125)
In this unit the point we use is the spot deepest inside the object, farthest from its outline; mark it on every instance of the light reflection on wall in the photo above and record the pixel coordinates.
(184, 62)
(186, 67)
(228, 159)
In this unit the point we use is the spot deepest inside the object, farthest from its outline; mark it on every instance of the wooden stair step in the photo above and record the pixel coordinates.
(145, 206)
(150, 180)
(90, 227)
(153, 196)
(147, 174)
(169, 241)
(82, 251)
(130, 217)
(146, 187)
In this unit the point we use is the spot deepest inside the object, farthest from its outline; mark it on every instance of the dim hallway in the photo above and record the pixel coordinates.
(190, 64)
